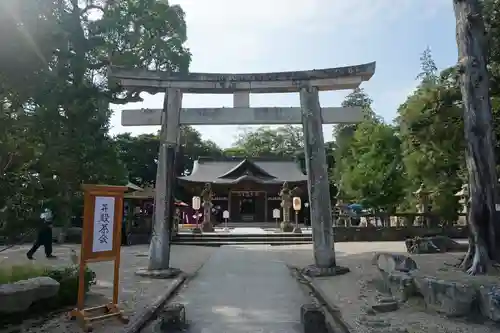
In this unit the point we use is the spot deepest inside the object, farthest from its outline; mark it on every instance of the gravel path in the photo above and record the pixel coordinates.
(352, 292)
(136, 293)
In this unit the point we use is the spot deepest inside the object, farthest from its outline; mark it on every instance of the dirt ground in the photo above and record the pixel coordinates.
(353, 292)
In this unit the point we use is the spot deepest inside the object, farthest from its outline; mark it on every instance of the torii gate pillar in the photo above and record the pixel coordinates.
(318, 186)
(159, 247)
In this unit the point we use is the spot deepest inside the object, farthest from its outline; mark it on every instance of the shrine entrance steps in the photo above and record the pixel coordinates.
(243, 235)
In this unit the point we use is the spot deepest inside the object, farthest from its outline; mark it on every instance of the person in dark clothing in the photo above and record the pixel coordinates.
(44, 237)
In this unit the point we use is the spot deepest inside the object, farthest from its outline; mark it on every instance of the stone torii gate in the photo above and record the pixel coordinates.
(309, 114)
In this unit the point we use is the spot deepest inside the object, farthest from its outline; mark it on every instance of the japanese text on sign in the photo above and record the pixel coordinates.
(104, 214)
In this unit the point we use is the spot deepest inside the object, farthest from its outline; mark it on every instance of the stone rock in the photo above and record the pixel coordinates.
(312, 319)
(373, 322)
(391, 330)
(368, 311)
(46, 287)
(172, 318)
(386, 307)
(315, 271)
(489, 302)
(390, 262)
(401, 285)
(286, 227)
(389, 299)
(18, 297)
(446, 297)
(168, 273)
(433, 244)
(207, 227)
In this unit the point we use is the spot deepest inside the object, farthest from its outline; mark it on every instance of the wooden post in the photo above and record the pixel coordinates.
(318, 185)
(103, 209)
(479, 137)
(159, 248)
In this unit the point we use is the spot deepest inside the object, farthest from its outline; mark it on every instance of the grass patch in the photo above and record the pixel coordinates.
(16, 273)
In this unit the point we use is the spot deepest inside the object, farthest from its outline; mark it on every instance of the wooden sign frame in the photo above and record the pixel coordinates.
(88, 253)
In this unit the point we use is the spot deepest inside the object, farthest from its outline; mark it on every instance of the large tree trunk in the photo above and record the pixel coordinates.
(479, 137)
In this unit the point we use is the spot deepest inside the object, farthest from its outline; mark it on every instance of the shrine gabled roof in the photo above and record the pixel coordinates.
(232, 171)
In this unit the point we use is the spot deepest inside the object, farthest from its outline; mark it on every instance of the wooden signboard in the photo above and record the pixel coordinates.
(101, 241)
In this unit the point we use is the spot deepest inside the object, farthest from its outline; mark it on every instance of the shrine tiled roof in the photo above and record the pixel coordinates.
(235, 170)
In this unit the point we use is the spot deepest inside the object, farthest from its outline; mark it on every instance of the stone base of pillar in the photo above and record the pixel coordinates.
(297, 230)
(286, 226)
(315, 271)
(207, 227)
(168, 273)
(313, 319)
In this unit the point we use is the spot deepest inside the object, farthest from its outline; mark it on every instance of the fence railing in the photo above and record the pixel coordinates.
(429, 220)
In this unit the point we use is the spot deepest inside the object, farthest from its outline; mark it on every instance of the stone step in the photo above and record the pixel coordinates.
(242, 239)
(226, 242)
(212, 236)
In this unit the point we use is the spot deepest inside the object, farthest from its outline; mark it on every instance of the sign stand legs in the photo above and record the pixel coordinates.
(85, 315)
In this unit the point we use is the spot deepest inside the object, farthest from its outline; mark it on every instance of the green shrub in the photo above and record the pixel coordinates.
(68, 279)
(68, 289)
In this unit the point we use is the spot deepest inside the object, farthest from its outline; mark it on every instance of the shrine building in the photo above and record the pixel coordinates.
(248, 188)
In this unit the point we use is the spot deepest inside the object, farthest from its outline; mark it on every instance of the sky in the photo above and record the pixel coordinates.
(228, 36)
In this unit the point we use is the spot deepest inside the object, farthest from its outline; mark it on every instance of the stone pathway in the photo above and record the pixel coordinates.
(243, 289)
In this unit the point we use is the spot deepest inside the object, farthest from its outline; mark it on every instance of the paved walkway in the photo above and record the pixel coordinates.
(243, 289)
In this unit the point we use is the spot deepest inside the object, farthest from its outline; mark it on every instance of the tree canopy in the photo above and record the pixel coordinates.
(55, 95)
(54, 114)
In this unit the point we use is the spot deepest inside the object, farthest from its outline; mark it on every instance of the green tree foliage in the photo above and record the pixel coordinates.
(429, 71)
(234, 152)
(372, 169)
(343, 134)
(140, 154)
(55, 94)
(30, 34)
(19, 183)
(281, 142)
(192, 146)
(284, 141)
(431, 128)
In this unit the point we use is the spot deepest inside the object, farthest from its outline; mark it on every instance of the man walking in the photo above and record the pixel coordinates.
(44, 236)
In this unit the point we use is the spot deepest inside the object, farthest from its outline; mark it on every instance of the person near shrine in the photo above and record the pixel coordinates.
(44, 236)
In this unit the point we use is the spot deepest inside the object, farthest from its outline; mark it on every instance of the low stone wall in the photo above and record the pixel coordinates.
(372, 234)
(453, 294)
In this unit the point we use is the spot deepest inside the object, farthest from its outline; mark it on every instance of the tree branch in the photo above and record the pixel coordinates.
(7, 164)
